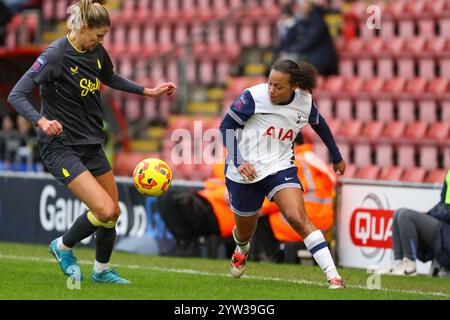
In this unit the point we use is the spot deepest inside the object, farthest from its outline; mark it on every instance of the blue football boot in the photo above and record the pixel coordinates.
(108, 276)
(67, 261)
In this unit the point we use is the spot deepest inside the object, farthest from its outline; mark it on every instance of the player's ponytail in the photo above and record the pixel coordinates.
(88, 12)
(302, 75)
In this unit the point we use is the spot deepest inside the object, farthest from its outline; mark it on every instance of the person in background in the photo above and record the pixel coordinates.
(305, 36)
(421, 236)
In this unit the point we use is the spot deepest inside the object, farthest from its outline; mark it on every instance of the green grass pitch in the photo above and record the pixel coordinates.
(30, 272)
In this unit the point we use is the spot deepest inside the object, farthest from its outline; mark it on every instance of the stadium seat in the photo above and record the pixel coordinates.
(384, 155)
(427, 68)
(426, 27)
(352, 86)
(372, 130)
(366, 68)
(415, 131)
(371, 88)
(384, 110)
(436, 176)
(368, 172)
(394, 47)
(388, 30)
(393, 131)
(263, 34)
(406, 156)
(385, 67)
(414, 174)
(346, 67)
(406, 110)
(428, 157)
(406, 28)
(350, 130)
(393, 87)
(322, 152)
(325, 107)
(364, 109)
(350, 171)
(414, 87)
(436, 88)
(362, 154)
(344, 109)
(353, 48)
(445, 111)
(391, 173)
(332, 87)
(428, 111)
(334, 124)
(438, 133)
(434, 47)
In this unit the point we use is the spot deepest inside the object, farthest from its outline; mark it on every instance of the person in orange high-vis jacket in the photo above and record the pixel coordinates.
(318, 181)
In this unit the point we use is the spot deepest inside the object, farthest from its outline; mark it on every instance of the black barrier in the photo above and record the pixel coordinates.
(37, 209)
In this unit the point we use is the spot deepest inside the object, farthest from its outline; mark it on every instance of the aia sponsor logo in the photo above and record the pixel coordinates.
(371, 228)
(280, 134)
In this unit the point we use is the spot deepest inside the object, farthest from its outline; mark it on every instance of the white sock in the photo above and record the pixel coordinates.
(99, 267)
(61, 246)
(316, 244)
(243, 247)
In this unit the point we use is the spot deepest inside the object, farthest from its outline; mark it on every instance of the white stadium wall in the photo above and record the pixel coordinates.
(364, 219)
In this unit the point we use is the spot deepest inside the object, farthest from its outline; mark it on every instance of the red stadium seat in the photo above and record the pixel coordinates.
(346, 67)
(406, 110)
(426, 27)
(325, 107)
(344, 109)
(385, 67)
(414, 174)
(391, 173)
(394, 87)
(371, 88)
(406, 28)
(350, 130)
(362, 155)
(372, 130)
(322, 152)
(332, 87)
(384, 110)
(384, 155)
(350, 171)
(428, 111)
(352, 86)
(393, 130)
(334, 124)
(438, 132)
(436, 88)
(427, 68)
(368, 172)
(428, 157)
(406, 156)
(363, 110)
(436, 176)
(415, 131)
(415, 87)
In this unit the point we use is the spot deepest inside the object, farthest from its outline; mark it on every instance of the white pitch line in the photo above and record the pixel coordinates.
(204, 273)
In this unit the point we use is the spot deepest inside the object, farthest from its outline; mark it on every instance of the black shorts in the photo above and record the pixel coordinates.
(66, 162)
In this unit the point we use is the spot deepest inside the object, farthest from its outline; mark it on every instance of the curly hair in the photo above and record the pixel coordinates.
(303, 74)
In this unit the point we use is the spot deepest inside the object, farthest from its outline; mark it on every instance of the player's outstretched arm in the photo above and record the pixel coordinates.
(164, 88)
